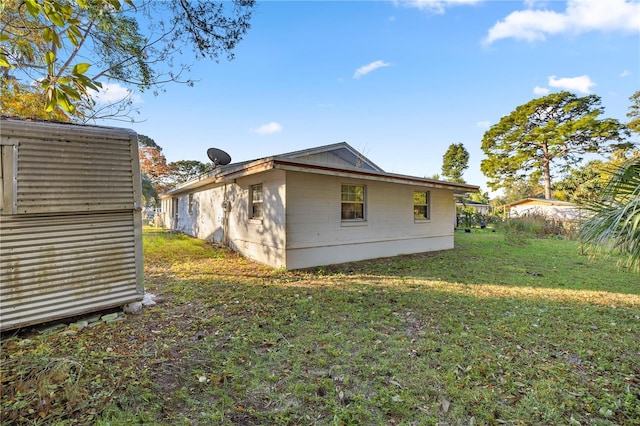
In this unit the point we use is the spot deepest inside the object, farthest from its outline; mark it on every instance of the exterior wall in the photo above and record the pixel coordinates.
(557, 212)
(317, 236)
(70, 222)
(262, 240)
(201, 214)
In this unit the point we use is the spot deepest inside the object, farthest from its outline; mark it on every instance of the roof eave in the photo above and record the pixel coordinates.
(246, 169)
(371, 175)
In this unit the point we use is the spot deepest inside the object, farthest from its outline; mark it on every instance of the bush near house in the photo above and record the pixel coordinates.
(487, 333)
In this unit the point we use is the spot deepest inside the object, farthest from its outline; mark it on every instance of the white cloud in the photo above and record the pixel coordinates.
(626, 73)
(434, 6)
(542, 91)
(580, 84)
(485, 124)
(269, 128)
(579, 17)
(111, 93)
(366, 69)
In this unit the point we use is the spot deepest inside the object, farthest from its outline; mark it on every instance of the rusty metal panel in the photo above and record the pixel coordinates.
(55, 267)
(64, 168)
(70, 223)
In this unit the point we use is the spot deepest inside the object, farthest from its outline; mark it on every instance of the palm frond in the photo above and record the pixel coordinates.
(614, 225)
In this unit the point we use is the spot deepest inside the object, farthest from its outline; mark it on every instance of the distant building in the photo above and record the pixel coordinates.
(559, 210)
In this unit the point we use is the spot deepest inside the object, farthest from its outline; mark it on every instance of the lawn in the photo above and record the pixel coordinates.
(487, 333)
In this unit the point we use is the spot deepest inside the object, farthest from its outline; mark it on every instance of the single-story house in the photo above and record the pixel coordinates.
(555, 209)
(314, 207)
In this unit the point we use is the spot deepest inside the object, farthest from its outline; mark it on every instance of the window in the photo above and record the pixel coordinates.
(352, 200)
(421, 205)
(255, 201)
(190, 208)
(174, 209)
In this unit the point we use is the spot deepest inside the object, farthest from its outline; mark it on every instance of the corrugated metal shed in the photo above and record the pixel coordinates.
(70, 223)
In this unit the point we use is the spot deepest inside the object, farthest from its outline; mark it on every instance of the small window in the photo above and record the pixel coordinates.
(255, 201)
(352, 200)
(421, 205)
(174, 209)
(190, 208)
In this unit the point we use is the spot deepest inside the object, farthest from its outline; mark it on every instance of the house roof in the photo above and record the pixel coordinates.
(345, 161)
(541, 202)
(472, 203)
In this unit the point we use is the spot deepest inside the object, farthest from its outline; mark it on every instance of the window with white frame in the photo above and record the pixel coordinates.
(255, 201)
(421, 205)
(352, 202)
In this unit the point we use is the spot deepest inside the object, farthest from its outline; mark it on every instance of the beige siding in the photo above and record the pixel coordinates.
(201, 214)
(316, 235)
(326, 158)
(260, 240)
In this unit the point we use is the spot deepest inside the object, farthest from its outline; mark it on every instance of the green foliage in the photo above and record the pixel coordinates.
(582, 184)
(145, 141)
(35, 36)
(615, 224)
(49, 40)
(454, 162)
(519, 230)
(186, 170)
(480, 197)
(634, 113)
(548, 135)
(149, 192)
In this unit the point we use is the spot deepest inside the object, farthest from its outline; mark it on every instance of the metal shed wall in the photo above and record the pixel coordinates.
(70, 223)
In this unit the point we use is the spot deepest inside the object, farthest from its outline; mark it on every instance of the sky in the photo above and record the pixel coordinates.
(398, 80)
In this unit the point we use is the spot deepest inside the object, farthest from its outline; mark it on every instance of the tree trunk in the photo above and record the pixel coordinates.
(546, 170)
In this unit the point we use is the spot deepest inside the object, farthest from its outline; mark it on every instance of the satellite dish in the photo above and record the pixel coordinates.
(218, 157)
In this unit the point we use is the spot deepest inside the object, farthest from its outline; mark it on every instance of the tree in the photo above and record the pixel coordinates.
(548, 135)
(480, 197)
(149, 192)
(71, 47)
(185, 170)
(615, 223)
(581, 184)
(23, 101)
(586, 183)
(634, 113)
(153, 164)
(454, 162)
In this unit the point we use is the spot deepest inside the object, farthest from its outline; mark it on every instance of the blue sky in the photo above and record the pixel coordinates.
(399, 81)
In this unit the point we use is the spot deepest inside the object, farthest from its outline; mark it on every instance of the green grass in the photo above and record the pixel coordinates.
(488, 333)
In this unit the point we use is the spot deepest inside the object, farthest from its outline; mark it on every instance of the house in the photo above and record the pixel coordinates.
(314, 207)
(70, 225)
(562, 211)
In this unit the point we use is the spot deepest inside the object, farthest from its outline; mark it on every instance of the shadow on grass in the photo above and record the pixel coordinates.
(377, 342)
(485, 259)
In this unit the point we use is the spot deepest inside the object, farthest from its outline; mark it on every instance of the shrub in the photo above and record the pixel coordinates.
(519, 229)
